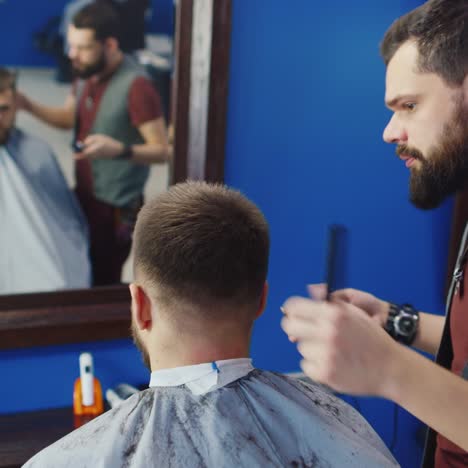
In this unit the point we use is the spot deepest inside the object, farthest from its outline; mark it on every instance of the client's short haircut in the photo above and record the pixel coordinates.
(7, 80)
(202, 244)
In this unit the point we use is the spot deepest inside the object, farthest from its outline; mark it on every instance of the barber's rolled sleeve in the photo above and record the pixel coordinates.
(144, 102)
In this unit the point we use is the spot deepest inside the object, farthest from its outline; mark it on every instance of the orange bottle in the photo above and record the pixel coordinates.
(87, 394)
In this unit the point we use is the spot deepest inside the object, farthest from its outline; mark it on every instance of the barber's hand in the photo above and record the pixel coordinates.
(100, 147)
(373, 306)
(342, 346)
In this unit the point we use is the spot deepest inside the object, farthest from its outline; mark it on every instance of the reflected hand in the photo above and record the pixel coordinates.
(100, 147)
(22, 102)
(342, 346)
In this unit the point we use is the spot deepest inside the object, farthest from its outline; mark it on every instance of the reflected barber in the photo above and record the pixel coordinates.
(118, 121)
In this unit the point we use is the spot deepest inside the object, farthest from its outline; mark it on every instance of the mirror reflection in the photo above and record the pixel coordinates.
(82, 143)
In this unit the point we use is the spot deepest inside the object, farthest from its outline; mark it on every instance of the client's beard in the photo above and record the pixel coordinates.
(4, 135)
(141, 347)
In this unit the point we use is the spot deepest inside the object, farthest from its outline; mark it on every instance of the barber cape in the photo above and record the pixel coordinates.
(223, 414)
(43, 235)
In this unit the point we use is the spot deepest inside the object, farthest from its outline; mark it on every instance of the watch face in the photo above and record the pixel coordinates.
(406, 325)
(403, 324)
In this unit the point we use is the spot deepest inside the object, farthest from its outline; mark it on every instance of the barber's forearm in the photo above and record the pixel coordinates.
(434, 395)
(151, 153)
(59, 117)
(429, 332)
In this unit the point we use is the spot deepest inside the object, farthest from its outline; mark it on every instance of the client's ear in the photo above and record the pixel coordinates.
(141, 307)
(263, 300)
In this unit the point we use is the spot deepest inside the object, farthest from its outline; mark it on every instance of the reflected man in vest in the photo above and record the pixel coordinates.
(119, 130)
(43, 231)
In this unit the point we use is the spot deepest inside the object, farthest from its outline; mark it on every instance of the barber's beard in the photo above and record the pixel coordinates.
(141, 347)
(92, 69)
(444, 171)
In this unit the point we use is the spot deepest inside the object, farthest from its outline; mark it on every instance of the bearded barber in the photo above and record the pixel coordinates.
(359, 344)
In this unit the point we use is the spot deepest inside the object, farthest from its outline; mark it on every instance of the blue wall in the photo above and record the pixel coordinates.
(21, 19)
(304, 141)
(162, 19)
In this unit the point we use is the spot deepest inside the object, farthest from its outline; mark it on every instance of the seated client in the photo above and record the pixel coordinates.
(201, 257)
(43, 232)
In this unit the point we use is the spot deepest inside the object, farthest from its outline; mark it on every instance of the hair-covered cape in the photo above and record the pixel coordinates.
(262, 420)
(44, 236)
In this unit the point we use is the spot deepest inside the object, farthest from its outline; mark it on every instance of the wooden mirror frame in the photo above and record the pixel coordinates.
(199, 104)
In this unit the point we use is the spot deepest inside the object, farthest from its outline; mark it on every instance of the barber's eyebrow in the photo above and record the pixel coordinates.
(391, 103)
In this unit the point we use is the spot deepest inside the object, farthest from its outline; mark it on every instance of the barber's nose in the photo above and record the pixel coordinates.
(394, 132)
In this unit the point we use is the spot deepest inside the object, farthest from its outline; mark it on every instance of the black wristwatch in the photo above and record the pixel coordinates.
(127, 153)
(402, 323)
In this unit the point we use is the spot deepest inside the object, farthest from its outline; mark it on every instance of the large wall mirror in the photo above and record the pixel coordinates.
(190, 67)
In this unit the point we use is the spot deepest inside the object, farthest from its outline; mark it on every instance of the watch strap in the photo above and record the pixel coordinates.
(127, 153)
